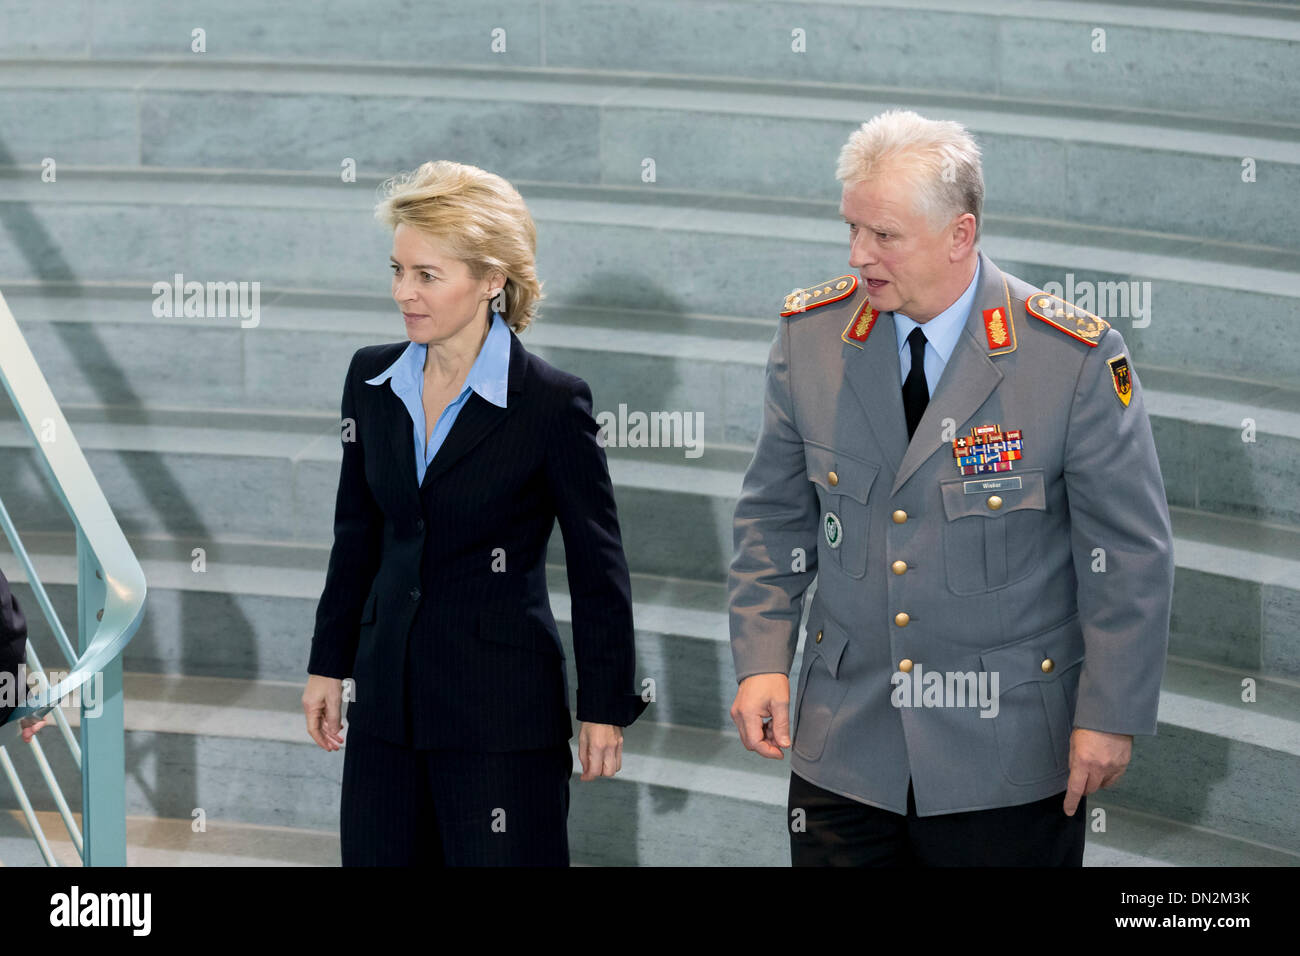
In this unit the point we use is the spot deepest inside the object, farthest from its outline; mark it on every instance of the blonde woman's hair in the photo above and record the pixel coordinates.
(939, 158)
(480, 218)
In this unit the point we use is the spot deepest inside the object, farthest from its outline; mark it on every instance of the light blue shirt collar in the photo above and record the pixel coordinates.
(489, 375)
(943, 331)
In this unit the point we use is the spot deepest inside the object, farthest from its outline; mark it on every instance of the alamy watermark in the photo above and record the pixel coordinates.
(921, 688)
(21, 688)
(1107, 300)
(211, 300)
(638, 429)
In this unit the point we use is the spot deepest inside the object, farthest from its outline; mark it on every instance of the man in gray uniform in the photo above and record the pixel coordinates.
(965, 465)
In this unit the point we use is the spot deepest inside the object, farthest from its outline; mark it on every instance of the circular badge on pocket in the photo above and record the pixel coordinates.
(834, 531)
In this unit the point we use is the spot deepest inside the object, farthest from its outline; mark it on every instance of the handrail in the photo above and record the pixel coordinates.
(111, 585)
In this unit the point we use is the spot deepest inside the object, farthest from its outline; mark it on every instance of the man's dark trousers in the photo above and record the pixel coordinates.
(838, 831)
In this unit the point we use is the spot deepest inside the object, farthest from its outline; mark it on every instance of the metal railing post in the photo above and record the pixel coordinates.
(103, 744)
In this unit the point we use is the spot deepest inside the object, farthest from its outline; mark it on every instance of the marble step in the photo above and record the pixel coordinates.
(190, 472)
(608, 256)
(1044, 160)
(188, 479)
(644, 358)
(250, 613)
(1241, 49)
(238, 751)
(162, 841)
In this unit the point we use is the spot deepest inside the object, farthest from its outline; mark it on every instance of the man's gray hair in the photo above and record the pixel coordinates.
(939, 158)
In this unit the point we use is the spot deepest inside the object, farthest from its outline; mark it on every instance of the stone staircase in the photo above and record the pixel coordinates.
(1111, 167)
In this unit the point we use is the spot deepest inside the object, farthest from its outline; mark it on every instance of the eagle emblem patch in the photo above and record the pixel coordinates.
(1121, 377)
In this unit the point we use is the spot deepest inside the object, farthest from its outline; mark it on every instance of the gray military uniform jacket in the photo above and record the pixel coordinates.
(1049, 580)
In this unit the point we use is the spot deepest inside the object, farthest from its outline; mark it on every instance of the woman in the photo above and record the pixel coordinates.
(435, 600)
(13, 662)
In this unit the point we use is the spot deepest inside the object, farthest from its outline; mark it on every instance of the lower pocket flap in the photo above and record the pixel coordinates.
(827, 640)
(1042, 657)
(368, 609)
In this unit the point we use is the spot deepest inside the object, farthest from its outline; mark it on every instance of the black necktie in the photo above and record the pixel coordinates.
(916, 394)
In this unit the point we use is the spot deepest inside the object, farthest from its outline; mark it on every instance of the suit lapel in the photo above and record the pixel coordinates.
(967, 380)
(476, 419)
(873, 375)
(398, 437)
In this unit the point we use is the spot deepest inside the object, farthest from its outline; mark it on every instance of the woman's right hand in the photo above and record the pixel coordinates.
(322, 702)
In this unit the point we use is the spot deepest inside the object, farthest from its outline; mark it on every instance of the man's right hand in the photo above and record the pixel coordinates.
(322, 702)
(761, 696)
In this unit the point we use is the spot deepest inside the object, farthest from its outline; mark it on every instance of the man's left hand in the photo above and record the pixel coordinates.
(600, 749)
(1097, 759)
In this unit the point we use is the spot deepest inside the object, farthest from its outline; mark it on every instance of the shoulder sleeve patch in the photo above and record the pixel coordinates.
(1069, 318)
(833, 290)
(1122, 377)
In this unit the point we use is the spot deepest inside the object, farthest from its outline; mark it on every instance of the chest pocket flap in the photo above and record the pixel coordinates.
(994, 530)
(839, 474)
(843, 487)
(994, 496)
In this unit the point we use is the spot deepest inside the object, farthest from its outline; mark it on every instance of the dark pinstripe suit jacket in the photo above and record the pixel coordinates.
(435, 599)
(13, 640)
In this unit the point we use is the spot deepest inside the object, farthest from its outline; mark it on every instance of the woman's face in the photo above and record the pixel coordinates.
(436, 293)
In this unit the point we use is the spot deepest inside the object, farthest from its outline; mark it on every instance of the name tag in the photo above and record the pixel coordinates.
(993, 484)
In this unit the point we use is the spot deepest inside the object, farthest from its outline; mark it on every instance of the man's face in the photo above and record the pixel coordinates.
(906, 265)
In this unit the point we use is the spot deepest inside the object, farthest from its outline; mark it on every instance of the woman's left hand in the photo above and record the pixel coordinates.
(600, 749)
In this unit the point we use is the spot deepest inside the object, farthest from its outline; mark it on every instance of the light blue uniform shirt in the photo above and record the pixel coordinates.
(489, 376)
(941, 333)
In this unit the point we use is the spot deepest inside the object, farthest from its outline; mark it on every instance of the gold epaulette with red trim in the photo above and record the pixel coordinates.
(1055, 311)
(833, 290)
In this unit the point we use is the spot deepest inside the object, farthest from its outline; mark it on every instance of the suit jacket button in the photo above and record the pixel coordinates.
(905, 665)
(415, 594)
(833, 478)
(900, 516)
(901, 618)
(995, 502)
(819, 637)
(419, 524)
(899, 567)
(1047, 665)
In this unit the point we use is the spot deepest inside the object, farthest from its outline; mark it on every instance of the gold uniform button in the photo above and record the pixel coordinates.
(1047, 665)
(995, 502)
(900, 516)
(901, 619)
(905, 665)
(899, 567)
(833, 478)
(819, 637)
